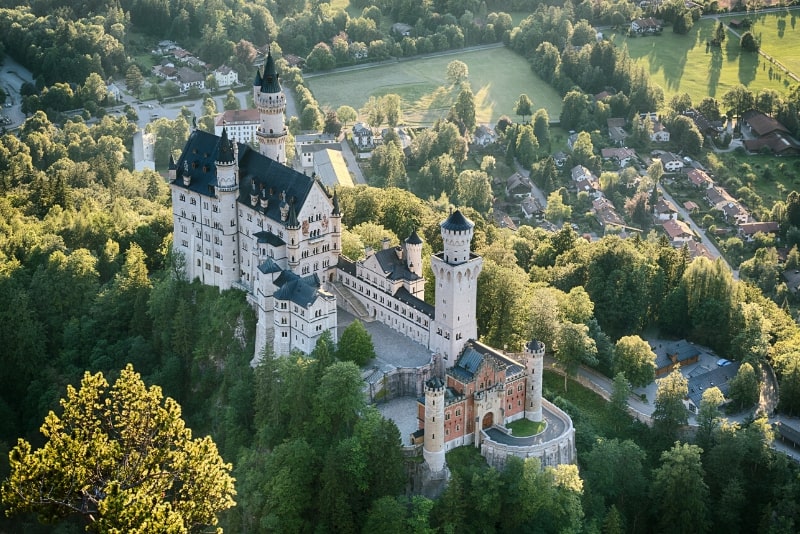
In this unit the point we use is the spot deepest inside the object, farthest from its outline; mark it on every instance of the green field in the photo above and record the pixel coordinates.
(497, 77)
(683, 63)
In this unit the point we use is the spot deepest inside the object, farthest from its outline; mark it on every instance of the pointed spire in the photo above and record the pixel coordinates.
(336, 210)
(269, 83)
(172, 165)
(292, 222)
(225, 148)
(258, 81)
(414, 238)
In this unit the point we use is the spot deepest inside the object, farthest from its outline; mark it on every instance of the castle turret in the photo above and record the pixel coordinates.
(456, 270)
(534, 365)
(433, 443)
(293, 238)
(172, 169)
(413, 254)
(225, 163)
(271, 104)
(336, 227)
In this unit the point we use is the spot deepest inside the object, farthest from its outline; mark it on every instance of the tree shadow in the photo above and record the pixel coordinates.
(748, 66)
(714, 70)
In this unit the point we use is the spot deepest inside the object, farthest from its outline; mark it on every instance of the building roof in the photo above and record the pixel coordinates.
(675, 229)
(269, 266)
(664, 206)
(187, 75)
(331, 168)
(414, 238)
(616, 122)
(680, 351)
(394, 268)
(474, 354)
(752, 228)
(456, 222)
(777, 142)
(699, 177)
(404, 296)
(697, 249)
(238, 116)
(269, 82)
(300, 290)
(258, 174)
(761, 123)
(717, 377)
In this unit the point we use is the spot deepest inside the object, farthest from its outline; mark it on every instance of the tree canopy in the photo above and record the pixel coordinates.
(122, 458)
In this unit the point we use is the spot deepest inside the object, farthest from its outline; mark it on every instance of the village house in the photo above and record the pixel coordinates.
(623, 156)
(671, 162)
(606, 214)
(226, 76)
(531, 207)
(242, 124)
(665, 210)
(518, 186)
(748, 230)
(697, 249)
(484, 135)
(768, 135)
(660, 133)
(363, 136)
(645, 26)
(699, 179)
(678, 232)
(616, 130)
(188, 78)
(671, 354)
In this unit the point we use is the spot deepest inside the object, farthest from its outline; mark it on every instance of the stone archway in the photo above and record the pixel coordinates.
(488, 420)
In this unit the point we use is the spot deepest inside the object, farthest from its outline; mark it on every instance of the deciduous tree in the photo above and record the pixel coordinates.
(635, 359)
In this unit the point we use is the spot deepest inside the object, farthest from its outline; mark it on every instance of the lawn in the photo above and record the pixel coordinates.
(780, 37)
(497, 77)
(683, 63)
(526, 427)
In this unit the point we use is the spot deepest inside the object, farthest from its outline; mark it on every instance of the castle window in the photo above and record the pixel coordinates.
(519, 387)
(185, 243)
(193, 201)
(447, 432)
(458, 428)
(519, 403)
(205, 205)
(183, 228)
(194, 217)
(215, 208)
(182, 197)
(233, 222)
(183, 213)
(284, 334)
(199, 248)
(458, 413)
(208, 266)
(447, 416)
(458, 335)
(510, 392)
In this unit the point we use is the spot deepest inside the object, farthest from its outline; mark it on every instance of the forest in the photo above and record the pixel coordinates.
(89, 283)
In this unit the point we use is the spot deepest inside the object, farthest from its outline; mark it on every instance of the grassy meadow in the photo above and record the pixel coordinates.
(683, 63)
(497, 77)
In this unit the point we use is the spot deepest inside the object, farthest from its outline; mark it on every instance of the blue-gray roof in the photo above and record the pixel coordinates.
(258, 174)
(473, 354)
(404, 296)
(269, 266)
(394, 267)
(414, 239)
(456, 222)
(717, 377)
(301, 291)
(269, 82)
(268, 237)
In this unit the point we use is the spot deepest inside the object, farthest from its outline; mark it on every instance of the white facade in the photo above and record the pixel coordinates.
(225, 76)
(241, 124)
(271, 104)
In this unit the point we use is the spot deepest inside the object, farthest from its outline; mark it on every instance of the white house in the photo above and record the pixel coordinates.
(671, 162)
(241, 124)
(226, 76)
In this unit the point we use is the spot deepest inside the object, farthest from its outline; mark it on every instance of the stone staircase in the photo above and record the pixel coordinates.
(347, 300)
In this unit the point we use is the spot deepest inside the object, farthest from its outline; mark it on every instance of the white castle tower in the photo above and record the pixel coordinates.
(225, 218)
(414, 253)
(433, 445)
(534, 365)
(456, 270)
(271, 104)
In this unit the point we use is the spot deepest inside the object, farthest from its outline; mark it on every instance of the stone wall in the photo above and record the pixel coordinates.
(399, 382)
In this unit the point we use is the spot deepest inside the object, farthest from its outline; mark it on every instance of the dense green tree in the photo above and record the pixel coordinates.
(346, 114)
(134, 80)
(744, 387)
(615, 475)
(355, 345)
(523, 107)
(670, 413)
(635, 359)
(231, 101)
(392, 109)
(574, 347)
(175, 484)
(680, 495)
(474, 189)
(457, 72)
(556, 210)
(464, 108)
(749, 43)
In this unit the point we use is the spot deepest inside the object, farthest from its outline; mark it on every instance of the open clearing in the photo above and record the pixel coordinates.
(497, 77)
(683, 63)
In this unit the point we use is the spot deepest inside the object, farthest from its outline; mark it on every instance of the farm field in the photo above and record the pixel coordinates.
(497, 77)
(683, 63)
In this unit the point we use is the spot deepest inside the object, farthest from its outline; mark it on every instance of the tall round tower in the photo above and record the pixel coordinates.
(414, 253)
(271, 104)
(433, 446)
(534, 365)
(225, 218)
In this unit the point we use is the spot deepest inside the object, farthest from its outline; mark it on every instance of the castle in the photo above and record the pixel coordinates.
(243, 219)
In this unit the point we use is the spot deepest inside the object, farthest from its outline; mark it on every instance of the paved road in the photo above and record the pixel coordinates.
(697, 230)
